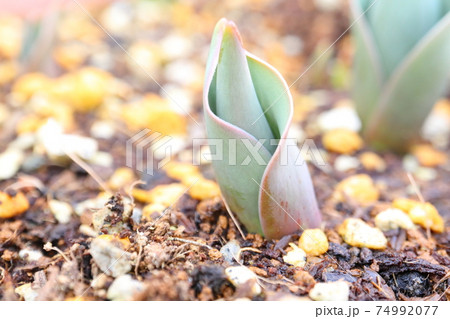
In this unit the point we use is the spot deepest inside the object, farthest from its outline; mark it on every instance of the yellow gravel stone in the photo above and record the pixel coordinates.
(314, 242)
(427, 216)
(28, 84)
(150, 209)
(84, 89)
(404, 204)
(166, 194)
(342, 141)
(428, 156)
(356, 232)
(372, 162)
(124, 242)
(204, 189)
(123, 176)
(70, 56)
(11, 206)
(11, 35)
(423, 214)
(154, 112)
(181, 171)
(295, 257)
(393, 218)
(359, 188)
(8, 71)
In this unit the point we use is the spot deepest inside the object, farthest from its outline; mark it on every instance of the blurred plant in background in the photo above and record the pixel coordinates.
(402, 65)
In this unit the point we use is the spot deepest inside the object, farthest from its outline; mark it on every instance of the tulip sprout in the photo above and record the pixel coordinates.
(402, 64)
(247, 107)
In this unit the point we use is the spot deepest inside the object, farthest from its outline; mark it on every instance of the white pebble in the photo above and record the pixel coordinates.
(345, 163)
(26, 292)
(10, 162)
(239, 275)
(30, 254)
(295, 257)
(123, 288)
(330, 291)
(393, 218)
(103, 129)
(57, 144)
(230, 251)
(61, 210)
(112, 260)
(339, 117)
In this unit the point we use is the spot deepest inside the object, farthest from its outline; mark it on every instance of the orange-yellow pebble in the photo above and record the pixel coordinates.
(125, 242)
(166, 194)
(69, 56)
(359, 188)
(11, 35)
(372, 162)
(8, 71)
(428, 156)
(154, 112)
(204, 189)
(342, 141)
(427, 216)
(84, 89)
(123, 176)
(356, 232)
(181, 171)
(314, 242)
(29, 84)
(405, 204)
(11, 206)
(423, 214)
(150, 209)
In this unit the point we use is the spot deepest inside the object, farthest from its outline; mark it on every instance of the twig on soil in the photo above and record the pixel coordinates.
(90, 171)
(129, 192)
(48, 246)
(238, 256)
(415, 187)
(236, 223)
(189, 242)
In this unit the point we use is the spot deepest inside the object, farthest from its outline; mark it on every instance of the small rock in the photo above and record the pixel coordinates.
(330, 291)
(240, 275)
(427, 216)
(110, 257)
(345, 163)
(429, 156)
(57, 144)
(295, 257)
(372, 162)
(26, 292)
(393, 218)
(314, 242)
(359, 188)
(425, 174)
(342, 141)
(103, 129)
(30, 254)
(356, 232)
(61, 210)
(341, 117)
(123, 288)
(10, 162)
(230, 250)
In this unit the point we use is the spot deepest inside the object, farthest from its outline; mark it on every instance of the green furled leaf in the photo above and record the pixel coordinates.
(239, 173)
(398, 25)
(236, 100)
(286, 201)
(412, 91)
(368, 76)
